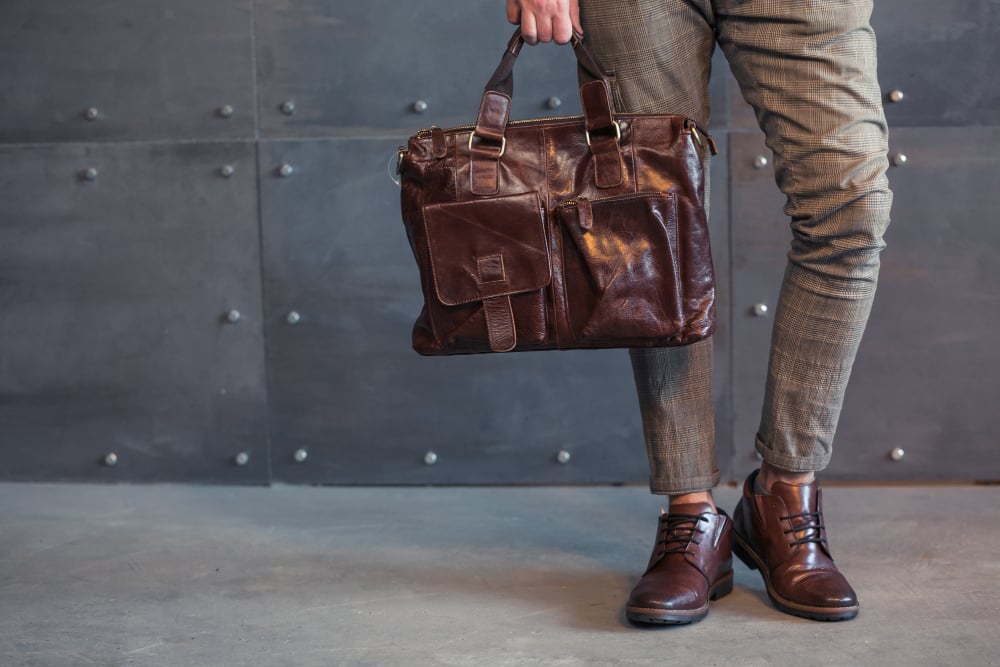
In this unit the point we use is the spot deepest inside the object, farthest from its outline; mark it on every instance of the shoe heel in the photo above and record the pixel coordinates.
(740, 552)
(723, 588)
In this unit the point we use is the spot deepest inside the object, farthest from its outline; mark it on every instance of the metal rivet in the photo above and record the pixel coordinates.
(898, 159)
(242, 458)
(430, 458)
(111, 459)
(93, 113)
(897, 454)
(287, 108)
(233, 316)
(553, 102)
(300, 455)
(226, 110)
(759, 162)
(760, 310)
(286, 170)
(420, 106)
(896, 96)
(293, 317)
(563, 456)
(227, 170)
(90, 174)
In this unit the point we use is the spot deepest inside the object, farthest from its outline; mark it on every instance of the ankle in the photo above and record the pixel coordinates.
(769, 475)
(695, 497)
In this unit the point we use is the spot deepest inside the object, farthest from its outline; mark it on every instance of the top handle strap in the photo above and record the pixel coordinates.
(502, 80)
(494, 114)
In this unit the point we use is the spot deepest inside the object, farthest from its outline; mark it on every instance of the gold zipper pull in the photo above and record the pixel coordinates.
(586, 213)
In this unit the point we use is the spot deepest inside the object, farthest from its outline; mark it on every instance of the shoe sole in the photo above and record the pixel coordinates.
(743, 551)
(653, 616)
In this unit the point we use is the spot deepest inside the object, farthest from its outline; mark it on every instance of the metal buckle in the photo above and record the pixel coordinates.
(503, 144)
(618, 133)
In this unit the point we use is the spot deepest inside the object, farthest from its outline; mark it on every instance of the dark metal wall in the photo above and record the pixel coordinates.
(921, 404)
(203, 276)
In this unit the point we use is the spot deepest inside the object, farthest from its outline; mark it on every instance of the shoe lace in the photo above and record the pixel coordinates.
(810, 525)
(680, 532)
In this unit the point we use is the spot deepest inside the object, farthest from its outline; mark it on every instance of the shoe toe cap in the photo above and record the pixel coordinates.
(823, 588)
(667, 596)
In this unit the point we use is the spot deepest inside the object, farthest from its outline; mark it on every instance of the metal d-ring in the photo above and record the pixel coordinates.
(503, 144)
(395, 166)
(618, 132)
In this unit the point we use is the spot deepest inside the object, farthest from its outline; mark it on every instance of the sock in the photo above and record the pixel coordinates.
(758, 488)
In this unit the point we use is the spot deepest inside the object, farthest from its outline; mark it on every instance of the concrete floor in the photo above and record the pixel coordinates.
(183, 575)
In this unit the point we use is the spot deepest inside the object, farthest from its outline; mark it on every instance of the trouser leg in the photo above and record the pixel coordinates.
(660, 54)
(808, 67)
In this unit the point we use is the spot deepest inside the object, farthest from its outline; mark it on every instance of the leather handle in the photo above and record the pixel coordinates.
(494, 111)
(502, 80)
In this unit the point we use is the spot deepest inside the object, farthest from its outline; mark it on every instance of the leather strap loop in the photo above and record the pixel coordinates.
(491, 124)
(609, 169)
(494, 112)
(500, 323)
(484, 169)
(438, 142)
(498, 310)
(598, 112)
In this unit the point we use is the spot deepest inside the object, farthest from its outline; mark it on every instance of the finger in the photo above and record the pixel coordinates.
(574, 15)
(543, 28)
(528, 28)
(562, 29)
(513, 11)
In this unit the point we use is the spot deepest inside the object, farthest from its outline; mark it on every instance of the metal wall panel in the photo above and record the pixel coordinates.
(942, 56)
(720, 90)
(718, 223)
(760, 237)
(345, 385)
(925, 378)
(349, 67)
(936, 64)
(114, 286)
(146, 69)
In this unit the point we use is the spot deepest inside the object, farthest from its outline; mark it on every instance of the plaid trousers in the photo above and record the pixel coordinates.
(808, 69)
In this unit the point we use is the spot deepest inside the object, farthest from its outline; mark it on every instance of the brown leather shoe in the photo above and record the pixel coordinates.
(691, 564)
(782, 534)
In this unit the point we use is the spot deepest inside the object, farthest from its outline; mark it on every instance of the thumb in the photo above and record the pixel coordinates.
(513, 11)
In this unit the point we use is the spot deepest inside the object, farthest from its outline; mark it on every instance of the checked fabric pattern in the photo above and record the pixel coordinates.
(808, 68)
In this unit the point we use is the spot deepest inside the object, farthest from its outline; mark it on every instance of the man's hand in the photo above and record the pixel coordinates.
(545, 20)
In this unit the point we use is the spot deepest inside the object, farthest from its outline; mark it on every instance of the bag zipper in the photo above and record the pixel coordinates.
(602, 200)
(584, 206)
(691, 125)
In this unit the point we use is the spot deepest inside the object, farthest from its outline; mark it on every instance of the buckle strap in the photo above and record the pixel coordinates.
(500, 323)
(595, 96)
(498, 310)
(484, 168)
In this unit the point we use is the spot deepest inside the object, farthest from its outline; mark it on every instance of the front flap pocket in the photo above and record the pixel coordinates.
(487, 248)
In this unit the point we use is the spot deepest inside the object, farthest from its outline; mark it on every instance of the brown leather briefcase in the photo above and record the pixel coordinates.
(559, 233)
